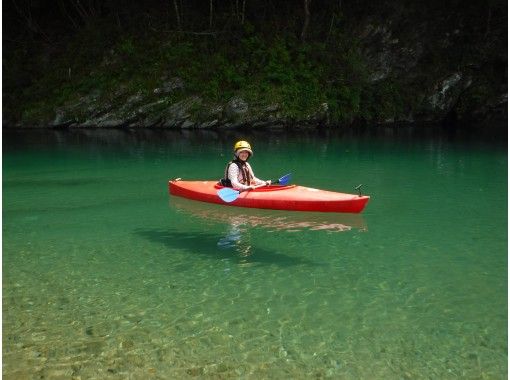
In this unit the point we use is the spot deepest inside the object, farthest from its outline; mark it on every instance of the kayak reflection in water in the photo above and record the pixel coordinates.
(238, 173)
(241, 221)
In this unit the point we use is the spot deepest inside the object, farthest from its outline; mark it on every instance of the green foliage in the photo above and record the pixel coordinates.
(344, 102)
(255, 52)
(127, 47)
(298, 77)
(386, 100)
(178, 54)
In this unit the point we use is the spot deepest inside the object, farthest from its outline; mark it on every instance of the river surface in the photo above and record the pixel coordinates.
(107, 276)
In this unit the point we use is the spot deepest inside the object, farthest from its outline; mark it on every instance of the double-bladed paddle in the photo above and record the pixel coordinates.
(228, 194)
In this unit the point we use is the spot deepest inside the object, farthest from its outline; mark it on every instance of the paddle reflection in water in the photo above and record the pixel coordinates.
(272, 220)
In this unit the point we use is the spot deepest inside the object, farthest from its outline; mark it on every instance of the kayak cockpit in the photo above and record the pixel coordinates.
(261, 189)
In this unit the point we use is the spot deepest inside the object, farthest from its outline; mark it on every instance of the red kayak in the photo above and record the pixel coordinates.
(291, 197)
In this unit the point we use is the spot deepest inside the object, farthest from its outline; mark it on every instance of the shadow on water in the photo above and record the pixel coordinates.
(235, 245)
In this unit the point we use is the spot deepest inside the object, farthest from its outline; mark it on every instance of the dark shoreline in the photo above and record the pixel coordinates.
(497, 135)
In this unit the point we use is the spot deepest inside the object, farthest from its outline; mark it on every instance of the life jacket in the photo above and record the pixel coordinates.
(245, 174)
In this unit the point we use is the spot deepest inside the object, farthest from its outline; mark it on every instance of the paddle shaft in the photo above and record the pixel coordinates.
(253, 188)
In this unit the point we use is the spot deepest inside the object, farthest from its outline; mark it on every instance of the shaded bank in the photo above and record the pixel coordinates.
(212, 65)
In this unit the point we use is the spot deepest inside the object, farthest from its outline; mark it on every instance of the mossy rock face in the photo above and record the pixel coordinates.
(371, 62)
(236, 109)
(170, 86)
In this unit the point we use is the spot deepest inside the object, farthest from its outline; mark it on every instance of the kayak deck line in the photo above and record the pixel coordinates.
(288, 197)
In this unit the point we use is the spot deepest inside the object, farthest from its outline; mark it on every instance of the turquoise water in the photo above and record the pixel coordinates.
(107, 276)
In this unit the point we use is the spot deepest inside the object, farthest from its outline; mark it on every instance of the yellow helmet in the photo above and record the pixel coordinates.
(242, 146)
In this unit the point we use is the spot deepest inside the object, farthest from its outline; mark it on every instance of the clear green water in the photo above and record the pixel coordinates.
(106, 276)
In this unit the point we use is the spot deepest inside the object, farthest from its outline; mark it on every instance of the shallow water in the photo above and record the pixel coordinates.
(107, 276)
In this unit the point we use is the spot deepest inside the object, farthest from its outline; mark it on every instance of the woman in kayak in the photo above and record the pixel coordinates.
(238, 173)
